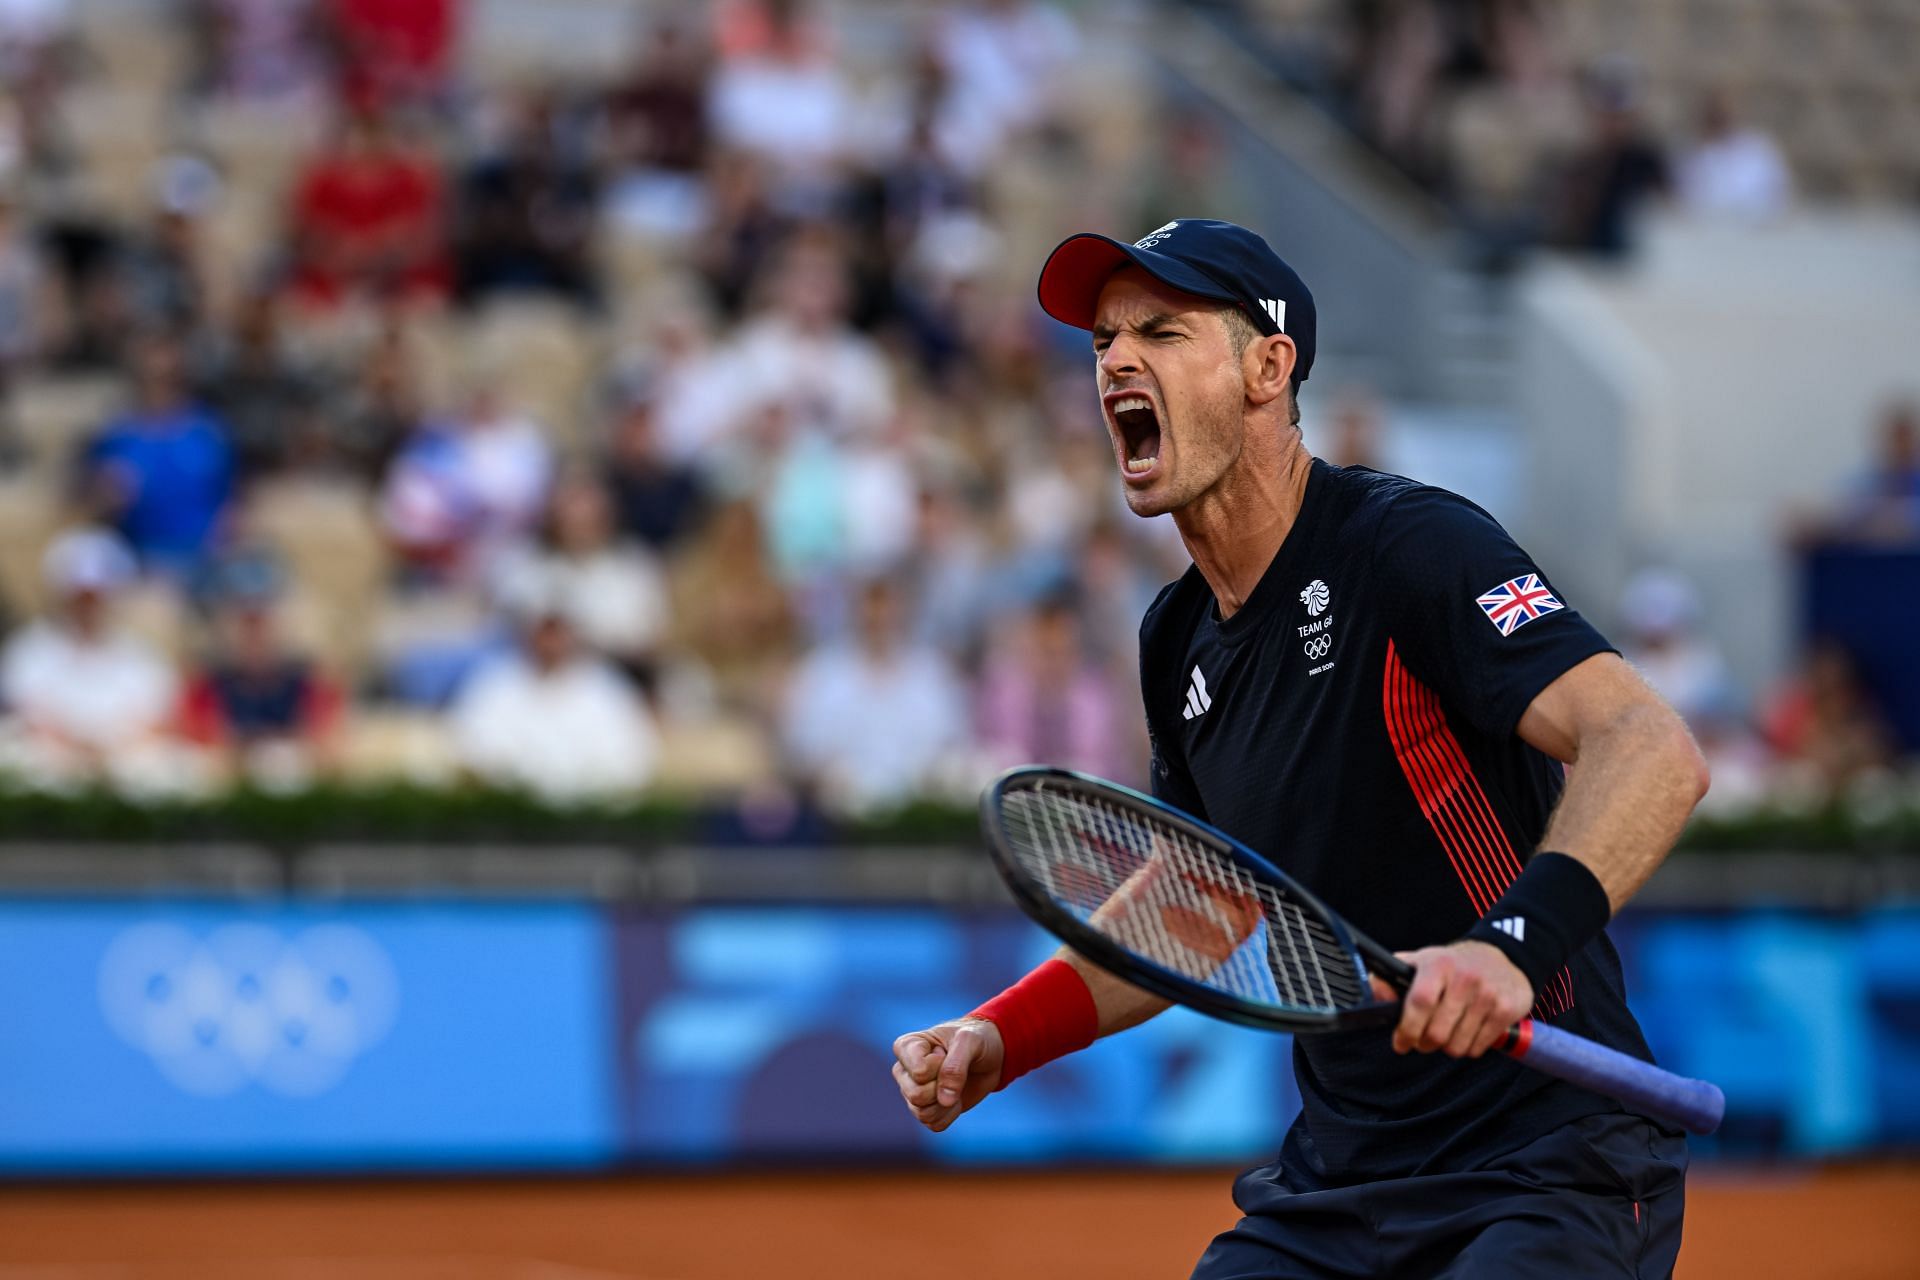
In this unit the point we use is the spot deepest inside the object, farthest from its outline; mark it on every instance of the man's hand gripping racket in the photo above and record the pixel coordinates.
(1186, 912)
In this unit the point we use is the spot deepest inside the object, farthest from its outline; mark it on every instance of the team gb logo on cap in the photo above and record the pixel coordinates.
(1156, 235)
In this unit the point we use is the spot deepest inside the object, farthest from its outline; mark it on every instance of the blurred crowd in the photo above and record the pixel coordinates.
(1543, 124)
(1484, 103)
(687, 431)
(691, 429)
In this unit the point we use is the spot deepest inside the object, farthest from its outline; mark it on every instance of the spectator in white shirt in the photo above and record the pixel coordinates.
(1008, 59)
(799, 355)
(86, 702)
(1666, 645)
(1732, 170)
(611, 588)
(554, 718)
(779, 94)
(874, 721)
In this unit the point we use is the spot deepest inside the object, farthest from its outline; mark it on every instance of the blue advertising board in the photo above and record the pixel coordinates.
(218, 1036)
(1809, 1022)
(767, 1033)
(141, 1037)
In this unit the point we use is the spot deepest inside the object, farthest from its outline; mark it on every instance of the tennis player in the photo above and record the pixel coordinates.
(1365, 677)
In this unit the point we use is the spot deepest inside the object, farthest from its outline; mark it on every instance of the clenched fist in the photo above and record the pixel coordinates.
(946, 1069)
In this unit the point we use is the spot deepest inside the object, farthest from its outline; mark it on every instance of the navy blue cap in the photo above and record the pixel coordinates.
(1218, 260)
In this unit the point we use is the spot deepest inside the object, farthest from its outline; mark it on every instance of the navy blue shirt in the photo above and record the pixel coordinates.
(1354, 722)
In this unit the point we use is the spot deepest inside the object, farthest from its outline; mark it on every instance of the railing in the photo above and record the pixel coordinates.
(954, 876)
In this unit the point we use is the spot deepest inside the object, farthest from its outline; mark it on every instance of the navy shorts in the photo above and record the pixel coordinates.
(1602, 1196)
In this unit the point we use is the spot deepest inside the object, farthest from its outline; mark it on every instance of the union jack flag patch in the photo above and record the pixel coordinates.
(1512, 605)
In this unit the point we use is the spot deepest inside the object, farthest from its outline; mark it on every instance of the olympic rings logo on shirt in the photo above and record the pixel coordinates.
(246, 1004)
(1317, 647)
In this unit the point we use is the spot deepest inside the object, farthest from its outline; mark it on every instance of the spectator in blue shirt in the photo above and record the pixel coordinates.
(1884, 506)
(162, 473)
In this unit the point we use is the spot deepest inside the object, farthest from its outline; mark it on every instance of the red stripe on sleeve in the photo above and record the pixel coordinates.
(1454, 803)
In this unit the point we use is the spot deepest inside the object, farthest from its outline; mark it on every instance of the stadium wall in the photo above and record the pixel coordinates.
(1681, 411)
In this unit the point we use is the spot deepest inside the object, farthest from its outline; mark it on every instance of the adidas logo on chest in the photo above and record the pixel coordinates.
(1198, 699)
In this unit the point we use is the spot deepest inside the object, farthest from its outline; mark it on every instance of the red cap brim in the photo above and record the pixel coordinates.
(1074, 274)
(1078, 269)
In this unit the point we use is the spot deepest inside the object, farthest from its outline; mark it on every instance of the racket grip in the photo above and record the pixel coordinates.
(1695, 1105)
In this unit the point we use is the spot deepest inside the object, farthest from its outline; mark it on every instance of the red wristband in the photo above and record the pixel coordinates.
(1046, 1015)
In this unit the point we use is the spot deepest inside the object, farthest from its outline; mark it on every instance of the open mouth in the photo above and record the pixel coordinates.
(1139, 432)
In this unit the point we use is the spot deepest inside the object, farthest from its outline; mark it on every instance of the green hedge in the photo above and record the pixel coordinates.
(413, 815)
(401, 814)
(1834, 828)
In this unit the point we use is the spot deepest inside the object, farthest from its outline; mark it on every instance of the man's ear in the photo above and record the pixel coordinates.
(1267, 366)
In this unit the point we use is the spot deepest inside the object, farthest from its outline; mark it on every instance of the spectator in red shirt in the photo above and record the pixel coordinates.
(367, 216)
(1826, 723)
(395, 50)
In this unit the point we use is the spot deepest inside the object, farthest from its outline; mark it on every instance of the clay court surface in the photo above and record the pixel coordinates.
(1113, 1226)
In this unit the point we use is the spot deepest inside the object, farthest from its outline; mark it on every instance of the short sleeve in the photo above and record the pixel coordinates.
(1469, 612)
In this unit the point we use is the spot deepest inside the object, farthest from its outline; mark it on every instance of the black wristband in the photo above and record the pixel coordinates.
(1554, 907)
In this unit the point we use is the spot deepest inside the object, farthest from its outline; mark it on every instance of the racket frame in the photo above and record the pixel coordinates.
(1698, 1105)
(1368, 957)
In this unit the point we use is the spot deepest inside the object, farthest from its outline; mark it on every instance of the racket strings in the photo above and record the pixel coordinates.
(1180, 902)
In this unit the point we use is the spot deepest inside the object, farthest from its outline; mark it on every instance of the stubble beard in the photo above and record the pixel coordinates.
(1181, 486)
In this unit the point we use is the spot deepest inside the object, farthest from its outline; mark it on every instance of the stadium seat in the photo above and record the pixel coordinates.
(722, 755)
(118, 135)
(238, 237)
(543, 355)
(1824, 77)
(335, 559)
(53, 414)
(586, 42)
(259, 150)
(382, 744)
(128, 50)
(30, 514)
(156, 611)
(631, 264)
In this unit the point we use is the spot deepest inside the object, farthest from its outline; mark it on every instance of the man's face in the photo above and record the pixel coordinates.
(550, 642)
(880, 617)
(87, 610)
(157, 367)
(1171, 390)
(247, 629)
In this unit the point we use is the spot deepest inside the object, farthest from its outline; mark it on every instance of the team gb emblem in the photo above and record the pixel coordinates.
(1315, 597)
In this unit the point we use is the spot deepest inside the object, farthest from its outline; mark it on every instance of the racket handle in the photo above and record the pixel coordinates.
(1695, 1105)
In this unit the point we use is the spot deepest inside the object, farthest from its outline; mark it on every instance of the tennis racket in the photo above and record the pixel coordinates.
(1175, 907)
